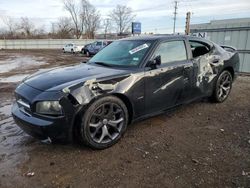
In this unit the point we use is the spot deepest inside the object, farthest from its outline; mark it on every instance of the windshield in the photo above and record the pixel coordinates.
(122, 53)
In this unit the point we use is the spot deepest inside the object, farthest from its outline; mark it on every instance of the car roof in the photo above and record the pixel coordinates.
(162, 37)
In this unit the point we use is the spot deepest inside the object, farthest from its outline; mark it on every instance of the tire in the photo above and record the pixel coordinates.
(72, 51)
(223, 87)
(63, 50)
(104, 122)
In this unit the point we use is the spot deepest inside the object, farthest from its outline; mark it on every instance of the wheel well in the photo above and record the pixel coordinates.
(128, 104)
(231, 70)
(77, 119)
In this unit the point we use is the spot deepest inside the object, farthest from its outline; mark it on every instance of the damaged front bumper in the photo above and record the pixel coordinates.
(41, 128)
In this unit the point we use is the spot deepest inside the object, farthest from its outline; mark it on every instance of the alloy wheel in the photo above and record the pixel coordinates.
(224, 86)
(106, 123)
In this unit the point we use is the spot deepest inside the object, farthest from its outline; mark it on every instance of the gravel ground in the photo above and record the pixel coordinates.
(197, 145)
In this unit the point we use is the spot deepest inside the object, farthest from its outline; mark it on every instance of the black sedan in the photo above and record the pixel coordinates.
(129, 80)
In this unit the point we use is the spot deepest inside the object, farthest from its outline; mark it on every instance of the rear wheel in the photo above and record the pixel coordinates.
(223, 87)
(104, 122)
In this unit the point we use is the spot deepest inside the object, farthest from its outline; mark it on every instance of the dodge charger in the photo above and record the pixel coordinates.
(129, 80)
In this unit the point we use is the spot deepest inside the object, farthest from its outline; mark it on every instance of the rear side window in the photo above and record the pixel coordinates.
(171, 51)
(199, 48)
(98, 43)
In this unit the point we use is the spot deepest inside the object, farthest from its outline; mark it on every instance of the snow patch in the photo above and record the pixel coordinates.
(6, 110)
(20, 63)
(15, 78)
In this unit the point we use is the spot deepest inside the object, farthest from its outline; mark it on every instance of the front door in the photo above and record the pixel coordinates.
(165, 84)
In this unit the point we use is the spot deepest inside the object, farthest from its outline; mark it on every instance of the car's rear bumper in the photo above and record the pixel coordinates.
(54, 128)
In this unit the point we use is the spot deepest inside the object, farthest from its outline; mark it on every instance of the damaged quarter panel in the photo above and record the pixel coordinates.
(208, 66)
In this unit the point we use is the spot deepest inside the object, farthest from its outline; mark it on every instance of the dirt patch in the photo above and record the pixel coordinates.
(198, 145)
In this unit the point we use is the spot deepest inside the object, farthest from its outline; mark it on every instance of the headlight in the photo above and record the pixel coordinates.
(49, 108)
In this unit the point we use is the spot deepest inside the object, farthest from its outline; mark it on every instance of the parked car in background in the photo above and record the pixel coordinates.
(95, 47)
(86, 47)
(129, 80)
(72, 48)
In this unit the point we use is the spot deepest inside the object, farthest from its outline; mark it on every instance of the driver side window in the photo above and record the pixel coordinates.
(171, 51)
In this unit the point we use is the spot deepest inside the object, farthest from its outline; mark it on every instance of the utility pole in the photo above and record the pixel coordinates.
(187, 27)
(175, 13)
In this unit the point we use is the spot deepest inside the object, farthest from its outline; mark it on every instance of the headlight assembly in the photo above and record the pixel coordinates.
(49, 108)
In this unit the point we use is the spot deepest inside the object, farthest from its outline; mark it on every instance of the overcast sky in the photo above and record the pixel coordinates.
(155, 15)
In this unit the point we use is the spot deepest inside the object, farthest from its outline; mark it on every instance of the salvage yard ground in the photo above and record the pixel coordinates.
(197, 145)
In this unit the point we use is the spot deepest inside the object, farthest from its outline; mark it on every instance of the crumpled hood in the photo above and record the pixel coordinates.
(57, 79)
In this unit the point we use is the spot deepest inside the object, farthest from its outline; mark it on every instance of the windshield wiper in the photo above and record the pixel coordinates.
(103, 64)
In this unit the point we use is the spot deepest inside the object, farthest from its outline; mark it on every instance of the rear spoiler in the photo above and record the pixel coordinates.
(228, 48)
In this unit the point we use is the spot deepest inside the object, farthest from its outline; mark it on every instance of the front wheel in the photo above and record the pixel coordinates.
(104, 122)
(223, 87)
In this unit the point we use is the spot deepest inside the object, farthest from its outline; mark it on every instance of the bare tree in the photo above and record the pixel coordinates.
(21, 28)
(27, 26)
(11, 26)
(106, 26)
(91, 18)
(72, 7)
(84, 16)
(39, 33)
(122, 16)
(63, 27)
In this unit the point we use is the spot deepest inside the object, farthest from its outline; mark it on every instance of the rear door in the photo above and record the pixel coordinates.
(164, 85)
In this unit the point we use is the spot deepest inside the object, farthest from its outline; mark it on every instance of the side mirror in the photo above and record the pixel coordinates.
(155, 62)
